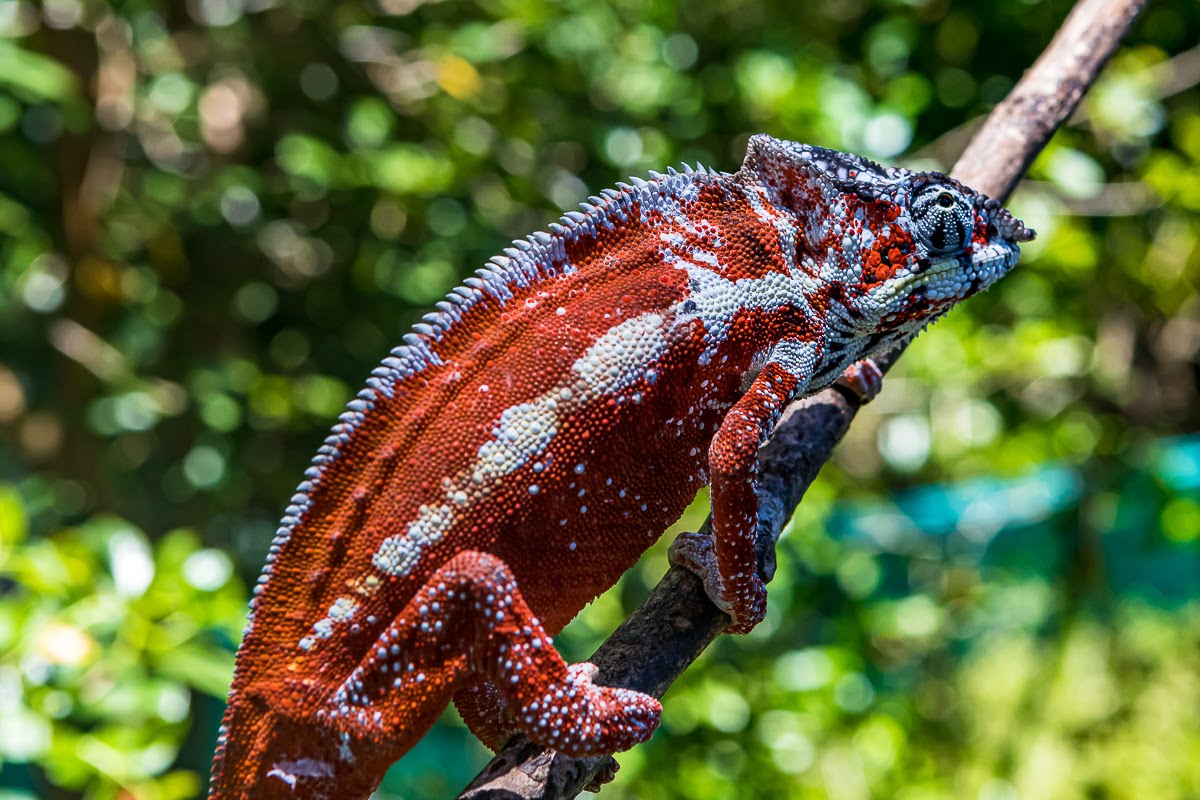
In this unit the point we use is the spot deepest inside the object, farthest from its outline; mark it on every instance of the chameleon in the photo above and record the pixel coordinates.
(538, 431)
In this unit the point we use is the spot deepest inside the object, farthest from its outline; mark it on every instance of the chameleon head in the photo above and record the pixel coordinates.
(898, 248)
(944, 243)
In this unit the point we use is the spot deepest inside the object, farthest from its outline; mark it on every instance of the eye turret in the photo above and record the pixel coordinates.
(943, 219)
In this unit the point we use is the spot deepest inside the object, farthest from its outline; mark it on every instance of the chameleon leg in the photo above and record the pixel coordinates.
(470, 619)
(481, 705)
(727, 562)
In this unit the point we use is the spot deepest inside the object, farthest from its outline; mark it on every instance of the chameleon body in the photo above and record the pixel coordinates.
(537, 433)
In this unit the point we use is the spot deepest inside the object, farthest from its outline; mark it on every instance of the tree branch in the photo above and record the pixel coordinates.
(676, 622)
(1018, 128)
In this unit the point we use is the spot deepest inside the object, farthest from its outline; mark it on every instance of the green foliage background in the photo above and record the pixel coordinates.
(217, 215)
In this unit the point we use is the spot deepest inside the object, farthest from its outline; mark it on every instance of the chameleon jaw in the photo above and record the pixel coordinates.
(987, 266)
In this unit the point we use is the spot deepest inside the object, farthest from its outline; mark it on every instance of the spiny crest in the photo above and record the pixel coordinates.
(786, 163)
(538, 257)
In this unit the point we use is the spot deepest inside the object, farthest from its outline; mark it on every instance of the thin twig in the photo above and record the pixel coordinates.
(676, 622)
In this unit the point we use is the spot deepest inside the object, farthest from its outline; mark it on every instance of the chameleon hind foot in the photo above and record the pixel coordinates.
(470, 623)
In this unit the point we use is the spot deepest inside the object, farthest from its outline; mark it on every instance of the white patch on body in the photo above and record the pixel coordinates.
(798, 357)
(524, 431)
(618, 358)
(397, 555)
(344, 751)
(342, 609)
(612, 364)
(717, 299)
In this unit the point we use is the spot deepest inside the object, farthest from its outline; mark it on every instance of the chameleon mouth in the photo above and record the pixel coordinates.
(953, 280)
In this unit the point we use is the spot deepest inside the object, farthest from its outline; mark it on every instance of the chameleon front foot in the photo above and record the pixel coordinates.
(605, 774)
(864, 378)
(696, 552)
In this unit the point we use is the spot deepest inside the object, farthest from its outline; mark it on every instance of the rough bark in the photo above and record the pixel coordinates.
(676, 622)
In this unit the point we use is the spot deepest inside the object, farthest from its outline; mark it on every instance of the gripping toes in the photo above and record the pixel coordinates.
(580, 719)
(696, 552)
(864, 378)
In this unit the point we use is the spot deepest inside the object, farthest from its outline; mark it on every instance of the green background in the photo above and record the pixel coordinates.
(217, 215)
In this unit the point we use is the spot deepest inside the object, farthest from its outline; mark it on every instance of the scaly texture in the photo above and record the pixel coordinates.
(538, 432)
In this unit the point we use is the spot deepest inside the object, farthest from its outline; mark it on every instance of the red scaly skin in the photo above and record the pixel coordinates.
(536, 434)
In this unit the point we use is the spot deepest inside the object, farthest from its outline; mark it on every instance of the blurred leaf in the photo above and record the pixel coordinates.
(198, 668)
(34, 76)
(13, 527)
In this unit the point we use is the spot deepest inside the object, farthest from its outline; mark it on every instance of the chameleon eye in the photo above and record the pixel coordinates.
(942, 219)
